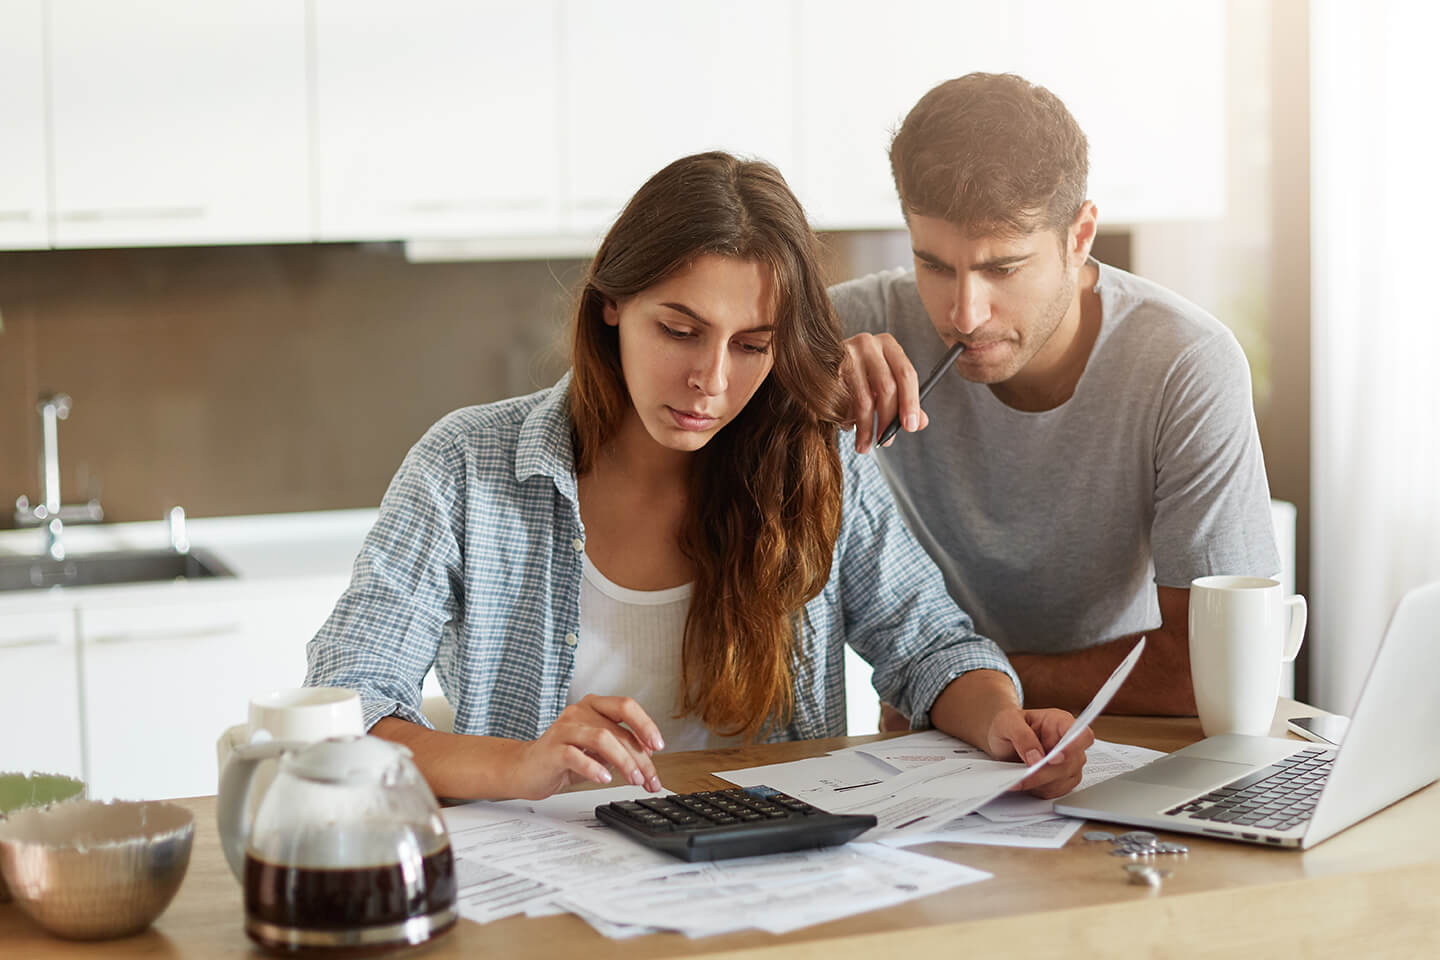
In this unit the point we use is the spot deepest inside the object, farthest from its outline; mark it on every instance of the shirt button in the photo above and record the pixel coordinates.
(571, 639)
(578, 544)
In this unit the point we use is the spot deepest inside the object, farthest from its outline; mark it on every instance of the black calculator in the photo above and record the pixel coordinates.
(719, 824)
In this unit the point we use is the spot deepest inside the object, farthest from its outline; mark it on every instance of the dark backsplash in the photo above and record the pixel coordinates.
(268, 379)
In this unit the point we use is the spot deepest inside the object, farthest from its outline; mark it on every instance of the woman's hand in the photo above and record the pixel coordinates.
(1027, 735)
(584, 743)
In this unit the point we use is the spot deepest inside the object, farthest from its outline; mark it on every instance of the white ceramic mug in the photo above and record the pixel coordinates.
(305, 714)
(1242, 630)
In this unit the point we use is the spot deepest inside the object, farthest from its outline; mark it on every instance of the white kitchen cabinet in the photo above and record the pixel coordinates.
(178, 122)
(39, 697)
(24, 200)
(649, 81)
(164, 676)
(1146, 82)
(860, 68)
(436, 118)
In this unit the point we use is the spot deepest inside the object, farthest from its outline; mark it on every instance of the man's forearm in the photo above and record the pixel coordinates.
(1158, 686)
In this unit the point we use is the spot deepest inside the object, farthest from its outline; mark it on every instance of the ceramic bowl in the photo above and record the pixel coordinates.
(85, 870)
(19, 791)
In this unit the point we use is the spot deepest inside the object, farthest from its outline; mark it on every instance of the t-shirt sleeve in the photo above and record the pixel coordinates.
(860, 304)
(898, 615)
(1212, 499)
(384, 633)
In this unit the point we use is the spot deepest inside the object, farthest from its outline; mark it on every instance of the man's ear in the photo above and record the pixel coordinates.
(1081, 235)
(611, 312)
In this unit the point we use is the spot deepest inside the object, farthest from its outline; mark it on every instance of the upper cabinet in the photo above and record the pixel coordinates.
(649, 81)
(24, 204)
(1148, 89)
(858, 75)
(436, 118)
(178, 122)
(517, 122)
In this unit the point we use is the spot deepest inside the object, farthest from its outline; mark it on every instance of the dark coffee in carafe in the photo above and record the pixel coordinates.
(291, 908)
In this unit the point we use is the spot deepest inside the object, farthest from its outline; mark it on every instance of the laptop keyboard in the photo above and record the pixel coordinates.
(1276, 797)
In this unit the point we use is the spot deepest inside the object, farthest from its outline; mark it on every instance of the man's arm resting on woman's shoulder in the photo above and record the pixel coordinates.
(1159, 685)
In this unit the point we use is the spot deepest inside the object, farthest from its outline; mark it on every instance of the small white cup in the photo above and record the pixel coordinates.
(305, 714)
(1242, 630)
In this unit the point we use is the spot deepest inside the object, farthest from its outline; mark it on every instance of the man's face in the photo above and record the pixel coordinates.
(1005, 298)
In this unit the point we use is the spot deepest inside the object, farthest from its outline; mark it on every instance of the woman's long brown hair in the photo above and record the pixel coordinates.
(765, 492)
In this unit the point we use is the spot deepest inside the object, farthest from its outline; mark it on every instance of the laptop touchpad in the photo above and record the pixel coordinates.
(1188, 772)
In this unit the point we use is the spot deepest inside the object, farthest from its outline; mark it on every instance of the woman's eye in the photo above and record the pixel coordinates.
(755, 347)
(674, 333)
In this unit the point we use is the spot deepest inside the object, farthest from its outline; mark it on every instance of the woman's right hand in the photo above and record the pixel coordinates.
(584, 743)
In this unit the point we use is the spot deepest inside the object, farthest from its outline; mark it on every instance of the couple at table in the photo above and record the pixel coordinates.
(671, 547)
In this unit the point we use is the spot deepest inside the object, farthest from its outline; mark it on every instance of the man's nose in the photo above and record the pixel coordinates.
(970, 308)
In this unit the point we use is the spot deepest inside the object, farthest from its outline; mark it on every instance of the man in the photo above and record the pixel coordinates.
(1098, 449)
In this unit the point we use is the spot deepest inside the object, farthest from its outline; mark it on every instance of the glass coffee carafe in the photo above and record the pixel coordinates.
(346, 850)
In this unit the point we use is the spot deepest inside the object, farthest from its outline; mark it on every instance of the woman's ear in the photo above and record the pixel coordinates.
(611, 312)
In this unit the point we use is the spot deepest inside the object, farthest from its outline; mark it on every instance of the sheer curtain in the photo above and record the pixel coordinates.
(1375, 295)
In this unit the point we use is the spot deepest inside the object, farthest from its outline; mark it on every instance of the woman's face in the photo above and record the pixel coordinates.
(695, 347)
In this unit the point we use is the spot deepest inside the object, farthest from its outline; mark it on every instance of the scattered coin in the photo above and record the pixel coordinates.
(1099, 836)
(1142, 874)
(1139, 836)
(1173, 848)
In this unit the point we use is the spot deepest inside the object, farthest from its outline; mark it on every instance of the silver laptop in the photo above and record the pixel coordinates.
(1293, 793)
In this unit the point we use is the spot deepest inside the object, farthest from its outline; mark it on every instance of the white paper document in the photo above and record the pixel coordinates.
(937, 779)
(778, 893)
(553, 856)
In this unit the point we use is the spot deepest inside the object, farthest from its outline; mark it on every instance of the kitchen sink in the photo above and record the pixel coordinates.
(111, 567)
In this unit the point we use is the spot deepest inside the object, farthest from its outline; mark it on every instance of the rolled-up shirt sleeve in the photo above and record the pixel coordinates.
(898, 615)
(405, 589)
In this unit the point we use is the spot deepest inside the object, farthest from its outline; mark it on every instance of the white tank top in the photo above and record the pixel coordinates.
(630, 646)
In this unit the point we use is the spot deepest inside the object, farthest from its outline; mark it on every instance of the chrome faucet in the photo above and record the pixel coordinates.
(51, 513)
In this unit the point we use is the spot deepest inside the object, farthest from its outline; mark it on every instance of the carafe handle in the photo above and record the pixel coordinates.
(231, 807)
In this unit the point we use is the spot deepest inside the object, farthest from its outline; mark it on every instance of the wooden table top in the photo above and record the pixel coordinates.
(1371, 890)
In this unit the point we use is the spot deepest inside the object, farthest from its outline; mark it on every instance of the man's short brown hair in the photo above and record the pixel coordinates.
(991, 153)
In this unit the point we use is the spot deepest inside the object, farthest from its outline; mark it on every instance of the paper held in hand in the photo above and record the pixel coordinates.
(923, 798)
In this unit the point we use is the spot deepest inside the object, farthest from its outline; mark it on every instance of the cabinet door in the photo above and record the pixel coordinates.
(154, 686)
(649, 81)
(436, 118)
(178, 122)
(165, 677)
(860, 69)
(39, 693)
(1146, 82)
(24, 207)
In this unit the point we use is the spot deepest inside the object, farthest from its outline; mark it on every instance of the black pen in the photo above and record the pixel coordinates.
(925, 388)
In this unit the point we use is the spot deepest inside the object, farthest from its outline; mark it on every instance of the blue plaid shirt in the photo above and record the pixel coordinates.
(474, 566)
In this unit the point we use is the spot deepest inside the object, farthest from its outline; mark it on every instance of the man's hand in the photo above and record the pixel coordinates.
(583, 743)
(1027, 735)
(882, 382)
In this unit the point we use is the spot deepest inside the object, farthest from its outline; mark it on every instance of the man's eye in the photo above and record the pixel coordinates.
(674, 333)
(933, 267)
(1005, 271)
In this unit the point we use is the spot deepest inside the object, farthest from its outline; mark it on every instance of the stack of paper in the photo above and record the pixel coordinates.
(554, 856)
(930, 787)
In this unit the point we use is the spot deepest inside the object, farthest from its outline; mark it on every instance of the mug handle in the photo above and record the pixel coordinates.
(230, 808)
(1299, 613)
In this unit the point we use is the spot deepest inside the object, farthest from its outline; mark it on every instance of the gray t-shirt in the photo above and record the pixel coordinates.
(1051, 527)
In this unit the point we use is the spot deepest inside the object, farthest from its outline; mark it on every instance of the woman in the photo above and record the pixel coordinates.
(672, 531)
